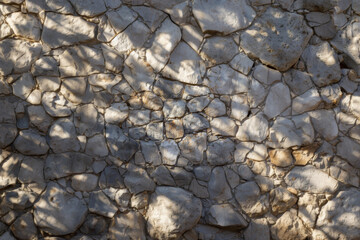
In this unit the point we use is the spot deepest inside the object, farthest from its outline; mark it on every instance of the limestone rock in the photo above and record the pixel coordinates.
(174, 108)
(89, 8)
(324, 123)
(308, 101)
(45, 66)
(96, 146)
(349, 150)
(266, 75)
(308, 209)
(24, 227)
(134, 36)
(29, 142)
(219, 189)
(253, 129)
(127, 225)
(332, 219)
(225, 16)
(116, 113)
(88, 121)
(322, 57)
(137, 180)
(239, 107)
(281, 157)
(258, 229)
(169, 151)
(120, 145)
(242, 63)
(100, 204)
(220, 152)
(9, 170)
(85, 182)
(248, 196)
(277, 100)
(59, 31)
(225, 80)
(165, 40)
(184, 65)
(216, 108)
(151, 153)
(226, 216)
(218, 50)
(281, 200)
(23, 86)
(195, 122)
(63, 137)
(65, 164)
(168, 88)
(310, 179)
(19, 60)
(166, 203)
(223, 126)
(174, 129)
(139, 117)
(277, 46)
(138, 73)
(289, 226)
(25, 25)
(81, 60)
(298, 82)
(76, 90)
(8, 133)
(193, 146)
(152, 17)
(56, 105)
(58, 212)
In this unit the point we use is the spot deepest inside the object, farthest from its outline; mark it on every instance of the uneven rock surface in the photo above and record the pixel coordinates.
(179, 119)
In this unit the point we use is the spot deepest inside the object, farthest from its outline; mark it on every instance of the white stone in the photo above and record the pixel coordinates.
(116, 113)
(23, 86)
(324, 123)
(25, 25)
(242, 63)
(253, 129)
(239, 107)
(223, 126)
(308, 101)
(169, 151)
(277, 101)
(266, 75)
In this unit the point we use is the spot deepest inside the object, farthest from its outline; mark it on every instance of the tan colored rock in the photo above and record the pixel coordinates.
(303, 155)
(174, 129)
(281, 157)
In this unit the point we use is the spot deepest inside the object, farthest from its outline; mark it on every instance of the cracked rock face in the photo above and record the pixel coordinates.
(179, 119)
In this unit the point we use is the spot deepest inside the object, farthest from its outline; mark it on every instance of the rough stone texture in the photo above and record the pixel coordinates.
(179, 119)
(165, 204)
(58, 212)
(279, 45)
(308, 179)
(223, 16)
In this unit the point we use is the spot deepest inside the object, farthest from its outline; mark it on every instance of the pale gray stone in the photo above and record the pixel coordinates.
(192, 36)
(168, 89)
(116, 113)
(194, 122)
(7, 113)
(166, 203)
(308, 209)
(155, 131)
(58, 212)
(356, 6)
(81, 60)
(162, 176)
(62, 134)
(111, 178)
(184, 65)
(96, 146)
(152, 17)
(266, 75)
(23, 86)
(165, 40)
(254, 128)
(137, 180)
(258, 153)
(30, 142)
(298, 82)
(220, 152)
(121, 18)
(58, 30)
(193, 146)
(289, 226)
(19, 60)
(225, 80)
(226, 216)
(31, 171)
(8, 133)
(322, 57)
(76, 90)
(349, 150)
(120, 145)
(197, 104)
(9, 170)
(134, 36)
(104, 80)
(48, 84)
(278, 46)
(151, 152)
(218, 187)
(25, 25)
(174, 108)
(258, 229)
(242, 63)
(335, 212)
(138, 73)
(24, 227)
(84, 182)
(56, 105)
(223, 16)
(93, 224)
(182, 177)
(346, 42)
(216, 108)
(152, 101)
(139, 117)
(331, 95)
(223, 126)
(169, 151)
(239, 107)
(65, 164)
(242, 149)
(256, 94)
(248, 196)
(281, 200)
(113, 59)
(277, 101)
(324, 123)
(60, 6)
(45, 66)
(127, 225)
(308, 101)
(218, 50)
(100, 204)
(89, 8)
(310, 179)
